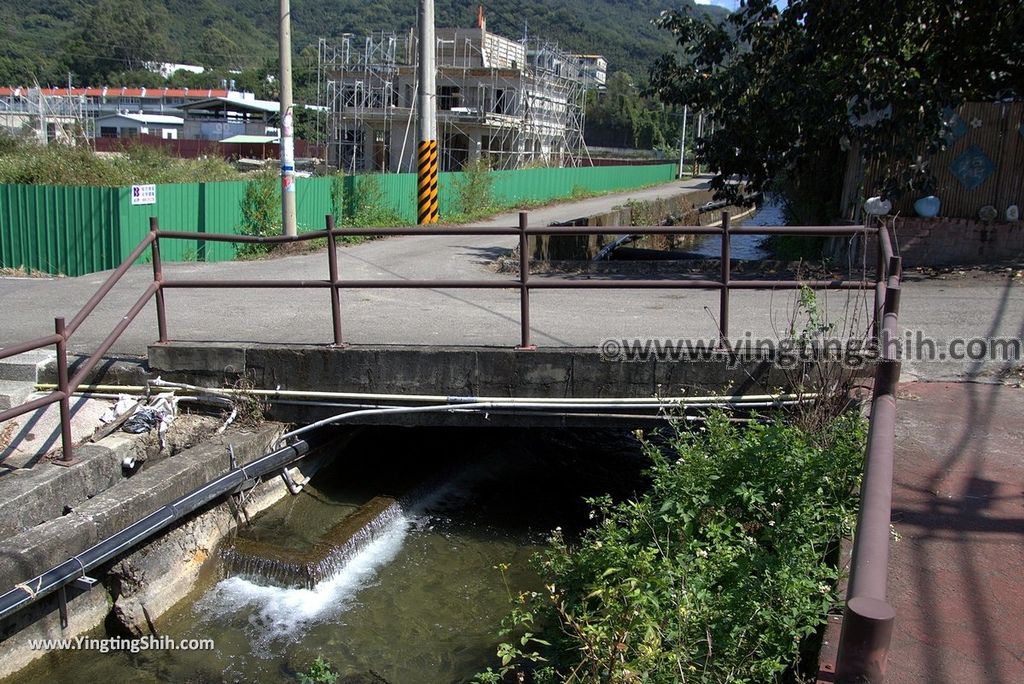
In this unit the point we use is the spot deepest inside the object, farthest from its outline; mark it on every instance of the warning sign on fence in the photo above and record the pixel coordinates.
(143, 194)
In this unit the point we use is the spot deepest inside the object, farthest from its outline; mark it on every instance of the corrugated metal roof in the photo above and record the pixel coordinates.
(251, 140)
(147, 119)
(120, 91)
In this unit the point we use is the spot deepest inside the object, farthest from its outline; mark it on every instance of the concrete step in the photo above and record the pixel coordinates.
(25, 367)
(14, 393)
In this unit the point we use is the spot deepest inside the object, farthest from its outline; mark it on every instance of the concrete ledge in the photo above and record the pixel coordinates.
(460, 371)
(35, 549)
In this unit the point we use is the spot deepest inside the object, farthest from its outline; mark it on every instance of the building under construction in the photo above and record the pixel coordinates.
(511, 103)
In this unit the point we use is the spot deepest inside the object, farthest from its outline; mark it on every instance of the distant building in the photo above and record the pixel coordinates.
(595, 71)
(217, 118)
(171, 113)
(166, 69)
(133, 125)
(509, 102)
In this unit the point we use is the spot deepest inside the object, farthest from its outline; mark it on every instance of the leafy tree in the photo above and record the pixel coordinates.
(117, 35)
(791, 90)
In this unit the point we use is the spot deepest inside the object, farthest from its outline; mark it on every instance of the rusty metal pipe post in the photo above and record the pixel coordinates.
(332, 269)
(868, 617)
(723, 301)
(67, 442)
(524, 284)
(158, 278)
(880, 276)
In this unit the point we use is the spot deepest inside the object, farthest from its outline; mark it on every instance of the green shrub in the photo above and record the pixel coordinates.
(474, 189)
(261, 211)
(27, 162)
(368, 207)
(723, 571)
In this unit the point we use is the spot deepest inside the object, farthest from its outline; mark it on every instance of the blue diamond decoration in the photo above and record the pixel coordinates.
(972, 167)
(955, 126)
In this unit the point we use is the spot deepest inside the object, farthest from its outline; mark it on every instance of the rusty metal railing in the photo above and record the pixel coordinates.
(867, 625)
(725, 284)
(868, 616)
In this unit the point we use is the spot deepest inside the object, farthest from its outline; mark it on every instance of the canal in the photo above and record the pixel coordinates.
(420, 597)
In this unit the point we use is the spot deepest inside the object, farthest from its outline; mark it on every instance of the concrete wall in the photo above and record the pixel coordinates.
(951, 242)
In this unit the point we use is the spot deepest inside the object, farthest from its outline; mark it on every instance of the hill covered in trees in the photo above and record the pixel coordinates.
(97, 41)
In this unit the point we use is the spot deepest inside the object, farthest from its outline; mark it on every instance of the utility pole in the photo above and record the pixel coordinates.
(700, 134)
(287, 123)
(426, 154)
(682, 141)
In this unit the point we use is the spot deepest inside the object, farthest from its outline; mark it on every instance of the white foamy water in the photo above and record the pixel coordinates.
(279, 612)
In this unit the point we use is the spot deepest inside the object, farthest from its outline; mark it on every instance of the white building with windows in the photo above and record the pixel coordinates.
(512, 103)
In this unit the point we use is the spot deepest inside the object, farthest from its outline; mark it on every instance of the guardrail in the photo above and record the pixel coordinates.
(868, 617)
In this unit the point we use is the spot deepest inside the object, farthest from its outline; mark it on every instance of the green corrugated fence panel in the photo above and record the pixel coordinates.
(57, 229)
(76, 230)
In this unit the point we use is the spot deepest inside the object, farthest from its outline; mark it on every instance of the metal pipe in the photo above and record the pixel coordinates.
(42, 585)
(524, 284)
(158, 278)
(107, 343)
(31, 345)
(723, 294)
(332, 269)
(435, 398)
(868, 617)
(67, 456)
(109, 283)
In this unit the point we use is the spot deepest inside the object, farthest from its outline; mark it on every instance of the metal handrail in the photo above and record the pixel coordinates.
(335, 284)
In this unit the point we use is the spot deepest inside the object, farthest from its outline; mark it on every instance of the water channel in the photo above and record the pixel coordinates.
(420, 599)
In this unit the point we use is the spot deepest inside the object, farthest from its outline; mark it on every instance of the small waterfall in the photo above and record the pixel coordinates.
(268, 563)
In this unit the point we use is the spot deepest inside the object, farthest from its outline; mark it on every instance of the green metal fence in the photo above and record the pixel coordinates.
(79, 230)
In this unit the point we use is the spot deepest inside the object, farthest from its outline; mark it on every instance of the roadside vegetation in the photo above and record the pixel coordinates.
(723, 571)
(26, 162)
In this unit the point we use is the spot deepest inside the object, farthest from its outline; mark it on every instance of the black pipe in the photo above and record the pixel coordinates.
(56, 577)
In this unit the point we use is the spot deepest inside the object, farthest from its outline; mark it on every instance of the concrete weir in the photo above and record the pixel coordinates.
(558, 373)
(307, 567)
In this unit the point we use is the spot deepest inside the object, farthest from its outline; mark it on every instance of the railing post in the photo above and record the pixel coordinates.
(723, 301)
(332, 269)
(524, 284)
(880, 277)
(67, 442)
(158, 278)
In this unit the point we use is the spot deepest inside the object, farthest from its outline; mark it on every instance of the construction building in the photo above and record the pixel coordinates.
(512, 103)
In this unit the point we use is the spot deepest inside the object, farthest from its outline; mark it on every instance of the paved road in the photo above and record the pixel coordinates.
(987, 304)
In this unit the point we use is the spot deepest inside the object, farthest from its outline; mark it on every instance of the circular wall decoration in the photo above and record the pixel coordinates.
(1012, 212)
(988, 213)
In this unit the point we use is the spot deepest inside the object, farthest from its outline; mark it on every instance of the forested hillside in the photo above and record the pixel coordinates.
(94, 40)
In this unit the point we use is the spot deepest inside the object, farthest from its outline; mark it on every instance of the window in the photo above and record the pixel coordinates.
(108, 132)
(448, 97)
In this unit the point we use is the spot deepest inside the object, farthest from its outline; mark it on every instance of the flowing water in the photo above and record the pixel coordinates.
(747, 247)
(417, 598)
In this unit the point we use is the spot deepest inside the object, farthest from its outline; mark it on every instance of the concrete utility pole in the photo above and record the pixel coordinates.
(700, 134)
(682, 141)
(426, 157)
(287, 123)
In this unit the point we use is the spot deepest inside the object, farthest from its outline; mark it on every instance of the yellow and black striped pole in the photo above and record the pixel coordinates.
(426, 158)
(426, 188)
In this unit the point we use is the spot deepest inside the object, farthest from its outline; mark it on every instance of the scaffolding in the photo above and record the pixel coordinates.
(507, 103)
(48, 114)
